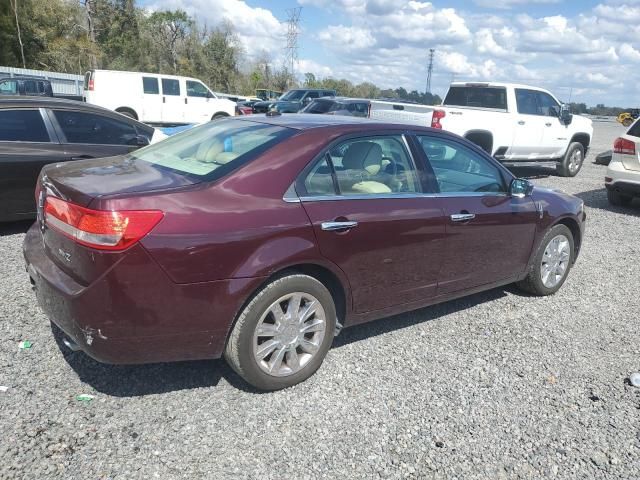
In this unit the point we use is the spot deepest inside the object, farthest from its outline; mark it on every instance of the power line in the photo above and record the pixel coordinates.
(291, 55)
(430, 69)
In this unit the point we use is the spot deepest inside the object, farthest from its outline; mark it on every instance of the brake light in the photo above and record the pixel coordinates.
(100, 229)
(91, 84)
(624, 146)
(436, 117)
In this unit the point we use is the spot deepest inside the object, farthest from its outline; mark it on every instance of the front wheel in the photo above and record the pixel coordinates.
(551, 264)
(283, 334)
(572, 161)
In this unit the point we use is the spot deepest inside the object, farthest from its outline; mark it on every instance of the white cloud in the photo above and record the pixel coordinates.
(508, 4)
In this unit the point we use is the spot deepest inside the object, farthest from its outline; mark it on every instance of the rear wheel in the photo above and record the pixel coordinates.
(283, 334)
(127, 113)
(219, 115)
(551, 264)
(617, 199)
(572, 161)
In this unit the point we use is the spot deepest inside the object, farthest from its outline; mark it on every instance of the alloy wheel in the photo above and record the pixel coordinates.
(555, 261)
(575, 161)
(289, 334)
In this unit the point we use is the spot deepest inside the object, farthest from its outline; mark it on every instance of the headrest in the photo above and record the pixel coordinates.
(363, 156)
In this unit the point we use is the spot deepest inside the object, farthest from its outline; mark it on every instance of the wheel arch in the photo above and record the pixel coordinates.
(336, 286)
(573, 226)
(583, 138)
(219, 115)
(482, 138)
(128, 110)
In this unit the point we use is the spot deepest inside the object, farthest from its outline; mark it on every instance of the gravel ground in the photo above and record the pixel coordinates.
(497, 385)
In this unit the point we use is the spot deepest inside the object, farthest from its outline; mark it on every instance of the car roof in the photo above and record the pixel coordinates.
(24, 78)
(307, 121)
(13, 101)
(341, 99)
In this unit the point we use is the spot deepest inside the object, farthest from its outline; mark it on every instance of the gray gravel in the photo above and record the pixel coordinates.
(497, 385)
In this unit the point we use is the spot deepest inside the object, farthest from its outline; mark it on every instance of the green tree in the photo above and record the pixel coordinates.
(169, 30)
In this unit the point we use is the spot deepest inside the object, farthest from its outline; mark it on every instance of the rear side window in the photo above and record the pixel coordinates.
(634, 131)
(9, 87)
(479, 97)
(213, 149)
(22, 126)
(82, 127)
(170, 87)
(33, 87)
(150, 85)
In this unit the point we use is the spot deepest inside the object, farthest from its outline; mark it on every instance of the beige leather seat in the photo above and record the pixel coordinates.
(362, 162)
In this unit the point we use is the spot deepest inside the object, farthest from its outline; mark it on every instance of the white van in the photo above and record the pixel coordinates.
(154, 98)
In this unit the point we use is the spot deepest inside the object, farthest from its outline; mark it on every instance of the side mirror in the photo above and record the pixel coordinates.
(141, 141)
(520, 188)
(565, 115)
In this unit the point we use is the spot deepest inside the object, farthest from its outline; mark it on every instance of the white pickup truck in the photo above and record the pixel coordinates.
(517, 124)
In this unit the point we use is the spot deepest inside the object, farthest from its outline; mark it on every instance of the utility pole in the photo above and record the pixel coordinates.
(291, 55)
(430, 69)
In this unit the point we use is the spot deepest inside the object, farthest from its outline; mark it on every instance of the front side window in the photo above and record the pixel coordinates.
(89, 128)
(459, 169)
(547, 106)
(213, 149)
(150, 85)
(9, 87)
(30, 87)
(196, 89)
(320, 106)
(365, 166)
(293, 95)
(527, 102)
(170, 87)
(22, 126)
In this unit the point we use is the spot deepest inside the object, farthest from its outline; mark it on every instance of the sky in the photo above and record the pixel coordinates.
(581, 50)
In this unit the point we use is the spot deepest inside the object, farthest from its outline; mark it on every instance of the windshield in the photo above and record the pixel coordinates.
(293, 95)
(211, 150)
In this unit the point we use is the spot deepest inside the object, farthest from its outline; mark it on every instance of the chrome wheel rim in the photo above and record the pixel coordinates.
(289, 334)
(555, 261)
(575, 160)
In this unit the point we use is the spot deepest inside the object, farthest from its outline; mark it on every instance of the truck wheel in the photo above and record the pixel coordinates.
(572, 162)
(219, 115)
(127, 112)
(617, 199)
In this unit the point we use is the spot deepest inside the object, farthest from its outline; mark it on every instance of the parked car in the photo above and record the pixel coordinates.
(26, 86)
(349, 107)
(38, 131)
(518, 124)
(292, 101)
(156, 99)
(623, 174)
(257, 238)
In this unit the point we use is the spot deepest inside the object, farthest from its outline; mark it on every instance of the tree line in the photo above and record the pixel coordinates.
(73, 36)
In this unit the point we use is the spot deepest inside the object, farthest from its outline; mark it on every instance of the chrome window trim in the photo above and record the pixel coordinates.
(389, 196)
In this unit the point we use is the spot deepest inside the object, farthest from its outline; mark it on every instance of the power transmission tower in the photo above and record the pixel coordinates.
(430, 70)
(291, 56)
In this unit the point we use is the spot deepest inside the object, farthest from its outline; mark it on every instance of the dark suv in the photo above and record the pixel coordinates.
(293, 101)
(29, 86)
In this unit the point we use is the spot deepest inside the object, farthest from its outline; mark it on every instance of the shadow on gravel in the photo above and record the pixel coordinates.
(139, 380)
(13, 228)
(533, 173)
(598, 199)
(398, 322)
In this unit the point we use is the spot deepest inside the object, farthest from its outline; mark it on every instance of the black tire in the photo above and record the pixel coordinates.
(617, 199)
(533, 282)
(127, 113)
(568, 167)
(219, 115)
(239, 349)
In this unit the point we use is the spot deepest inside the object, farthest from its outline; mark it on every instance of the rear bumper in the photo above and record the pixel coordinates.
(134, 313)
(623, 180)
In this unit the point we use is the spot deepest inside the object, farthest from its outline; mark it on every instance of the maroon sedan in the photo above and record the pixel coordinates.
(258, 238)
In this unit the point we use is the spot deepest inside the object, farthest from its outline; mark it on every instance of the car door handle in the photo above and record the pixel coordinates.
(333, 226)
(82, 157)
(462, 217)
(548, 124)
(185, 100)
(521, 122)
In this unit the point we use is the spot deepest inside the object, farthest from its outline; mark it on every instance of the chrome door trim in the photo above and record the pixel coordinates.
(390, 196)
(333, 226)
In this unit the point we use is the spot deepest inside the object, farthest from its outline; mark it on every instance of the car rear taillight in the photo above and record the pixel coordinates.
(624, 146)
(436, 117)
(91, 84)
(100, 229)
